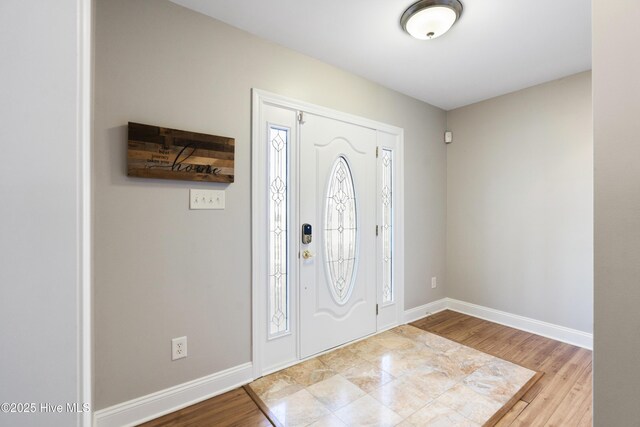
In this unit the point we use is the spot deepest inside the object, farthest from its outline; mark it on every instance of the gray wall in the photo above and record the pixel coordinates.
(162, 271)
(616, 90)
(39, 209)
(519, 203)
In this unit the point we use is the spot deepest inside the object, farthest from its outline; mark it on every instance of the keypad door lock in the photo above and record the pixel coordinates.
(307, 233)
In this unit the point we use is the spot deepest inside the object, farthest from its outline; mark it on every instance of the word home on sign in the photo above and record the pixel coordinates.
(157, 152)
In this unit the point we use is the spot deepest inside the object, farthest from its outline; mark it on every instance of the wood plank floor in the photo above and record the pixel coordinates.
(562, 397)
(232, 409)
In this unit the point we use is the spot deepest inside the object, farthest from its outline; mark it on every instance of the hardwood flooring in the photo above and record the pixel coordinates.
(231, 409)
(562, 397)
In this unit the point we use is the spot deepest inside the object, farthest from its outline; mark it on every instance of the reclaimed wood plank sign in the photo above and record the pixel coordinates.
(156, 152)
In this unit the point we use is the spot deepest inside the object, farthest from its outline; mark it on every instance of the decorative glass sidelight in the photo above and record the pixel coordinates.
(278, 312)
(341, 230)
(387, 226)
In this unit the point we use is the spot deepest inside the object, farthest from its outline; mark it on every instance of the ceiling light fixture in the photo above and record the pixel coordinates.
(428, 19)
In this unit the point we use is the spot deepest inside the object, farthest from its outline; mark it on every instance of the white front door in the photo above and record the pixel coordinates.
(319, 168)
(338, 200)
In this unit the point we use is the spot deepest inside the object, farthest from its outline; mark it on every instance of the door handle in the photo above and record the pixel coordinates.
(307, 254)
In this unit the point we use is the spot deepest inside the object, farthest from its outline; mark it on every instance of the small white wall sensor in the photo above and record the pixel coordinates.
(448, 137)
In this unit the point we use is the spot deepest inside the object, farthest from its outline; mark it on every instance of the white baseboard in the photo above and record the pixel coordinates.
(421, 311)
(549, 330)
(154, 405)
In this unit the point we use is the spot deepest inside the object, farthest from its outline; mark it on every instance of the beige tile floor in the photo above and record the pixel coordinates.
(404, 376)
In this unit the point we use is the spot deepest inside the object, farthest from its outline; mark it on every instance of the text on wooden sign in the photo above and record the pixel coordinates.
(156, 152)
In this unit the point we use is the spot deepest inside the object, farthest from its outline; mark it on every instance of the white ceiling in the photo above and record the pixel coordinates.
(497, 46)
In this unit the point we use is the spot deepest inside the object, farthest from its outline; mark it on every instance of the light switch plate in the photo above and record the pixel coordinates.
(206, 199)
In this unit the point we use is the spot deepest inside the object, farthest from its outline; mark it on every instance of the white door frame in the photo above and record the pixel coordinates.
(261, 99)
(85, 211)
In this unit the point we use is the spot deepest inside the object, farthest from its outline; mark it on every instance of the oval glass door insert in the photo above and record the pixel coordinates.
(341, 231)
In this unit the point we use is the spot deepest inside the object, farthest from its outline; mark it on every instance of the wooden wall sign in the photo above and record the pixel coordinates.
(155, 152)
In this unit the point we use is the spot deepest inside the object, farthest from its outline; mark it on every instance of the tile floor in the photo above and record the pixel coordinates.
(404, 376)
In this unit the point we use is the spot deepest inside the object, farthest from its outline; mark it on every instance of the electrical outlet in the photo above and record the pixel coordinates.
(206, 199)
(434, 282)
(178, 348)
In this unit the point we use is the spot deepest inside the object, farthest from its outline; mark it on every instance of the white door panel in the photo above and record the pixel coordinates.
(337, 197)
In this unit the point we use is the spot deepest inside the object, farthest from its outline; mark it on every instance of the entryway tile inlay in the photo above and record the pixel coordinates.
(404, 376)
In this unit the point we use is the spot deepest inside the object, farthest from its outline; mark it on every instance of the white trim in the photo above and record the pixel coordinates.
(399, 225)
(425, 310)
(163, 402)
(549, 330)
(307, 107)
(83, 163)
(155, 405)
(257, 239)
(538, 327)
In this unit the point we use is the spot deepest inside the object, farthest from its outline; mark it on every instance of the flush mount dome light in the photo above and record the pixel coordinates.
(428, 19)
